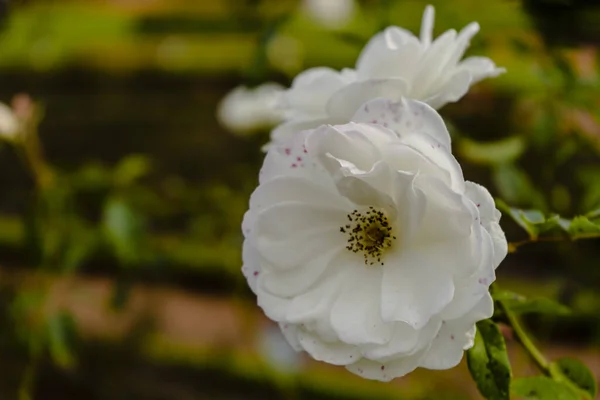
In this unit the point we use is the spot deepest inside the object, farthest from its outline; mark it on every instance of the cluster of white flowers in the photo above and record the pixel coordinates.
(363, 240)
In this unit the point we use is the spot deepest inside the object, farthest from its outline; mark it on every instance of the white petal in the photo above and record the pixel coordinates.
(293, 282)
(489, 218)
(406, 117)
(286, 188)
(415, 287)
(471, 289)
(285, 131)
(387, 371)
(422, 85)
(346, 101)
(251, 267)
(427, 25)
(448, 215)
(481, 68)
(393, 53)
(353, 316)
(456, 336)
(336, 353)
(312, 89)
(454, 88)
(290, 333)
(405, 342)
(290, 234)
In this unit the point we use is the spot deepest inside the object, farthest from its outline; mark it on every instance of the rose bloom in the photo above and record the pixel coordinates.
(393, 64)
(365, 243)
(247, 110)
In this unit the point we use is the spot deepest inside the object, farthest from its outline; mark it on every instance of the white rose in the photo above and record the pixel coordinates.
(245, 110)
(367, 246)
(10, 125)
(394, 64)
(330, 13)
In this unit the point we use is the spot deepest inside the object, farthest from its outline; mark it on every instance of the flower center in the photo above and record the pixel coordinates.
(370, 233)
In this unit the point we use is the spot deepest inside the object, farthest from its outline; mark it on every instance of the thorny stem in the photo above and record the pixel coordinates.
(535, 354)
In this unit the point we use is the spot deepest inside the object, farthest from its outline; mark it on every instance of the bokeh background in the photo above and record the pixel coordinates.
(120, 246)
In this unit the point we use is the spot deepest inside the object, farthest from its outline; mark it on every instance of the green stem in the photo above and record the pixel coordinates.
(535, 354)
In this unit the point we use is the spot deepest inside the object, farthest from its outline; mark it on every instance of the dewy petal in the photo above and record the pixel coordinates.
(405, 117)
(346, 101)
(402, 300)
(456, 336)
(386, 371)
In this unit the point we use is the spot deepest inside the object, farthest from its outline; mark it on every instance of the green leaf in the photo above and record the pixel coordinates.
(533, 221)
(541, 388)
(130, 169)
(492, 153)
(61, 333)
(488, 362)
(124, 229)
(577, 373)
(523, 305)
(581, 227)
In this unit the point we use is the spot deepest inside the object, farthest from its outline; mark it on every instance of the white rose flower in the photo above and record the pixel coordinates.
(245, 110)
(330, 13)
(365, 243)
(394, 64)
(10, 125)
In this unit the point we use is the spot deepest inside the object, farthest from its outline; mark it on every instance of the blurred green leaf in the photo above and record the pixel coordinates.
(515, 187)
(130, 169)
(523, 305)
(124, 230)
(541, 388)
(533, 221)
(492, 153)
(577, 373)
(61, 337)
(581, 227)
(488, 362)
(83, 242)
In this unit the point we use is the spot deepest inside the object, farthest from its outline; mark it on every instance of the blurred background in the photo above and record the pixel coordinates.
(123, 195)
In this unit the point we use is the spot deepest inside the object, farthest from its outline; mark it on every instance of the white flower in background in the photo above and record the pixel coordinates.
(245, 110)
(330, 13)
(365, 243)
(394, 64)
(9, 123)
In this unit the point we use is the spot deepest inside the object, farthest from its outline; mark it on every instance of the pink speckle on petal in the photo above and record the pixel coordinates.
(478, 205)
(294, 165)
(298, 158)
(255, 273)
(382, 367)
(451, 337)
(374, 121)
(288, 151)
